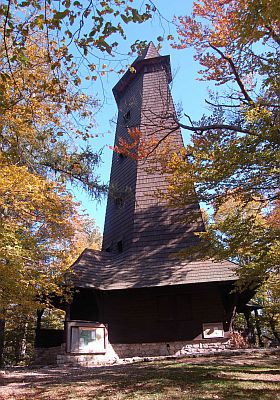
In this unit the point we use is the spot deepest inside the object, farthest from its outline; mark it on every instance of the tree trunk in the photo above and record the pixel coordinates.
(250, 328)
(272, 325)
(39, 319)
(67, 318)
(38, 325)
(2, 340)
(258, 328)
(20, 349)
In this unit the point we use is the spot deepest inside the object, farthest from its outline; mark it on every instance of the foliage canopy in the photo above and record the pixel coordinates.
(46, 121)
(233, 158)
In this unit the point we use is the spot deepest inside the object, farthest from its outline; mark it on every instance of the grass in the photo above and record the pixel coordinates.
(234, 378)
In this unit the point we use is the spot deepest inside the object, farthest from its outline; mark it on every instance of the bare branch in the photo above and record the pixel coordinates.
(273, 34)
(235, 72)
(203, 128)
(222, 105)
(189, 118)
(162, 140)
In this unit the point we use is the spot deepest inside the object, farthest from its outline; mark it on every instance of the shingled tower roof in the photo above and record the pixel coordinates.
(149, 52)
(142, 236)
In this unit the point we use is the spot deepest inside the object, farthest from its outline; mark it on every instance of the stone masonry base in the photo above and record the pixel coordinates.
(117, 352)
(48, 356)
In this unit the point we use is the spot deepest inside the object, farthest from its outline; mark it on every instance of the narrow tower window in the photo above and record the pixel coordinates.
(119, 202)
(126, 116)
(120, 246)
(122, 156)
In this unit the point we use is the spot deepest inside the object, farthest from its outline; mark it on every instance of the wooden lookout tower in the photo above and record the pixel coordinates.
(137, 296)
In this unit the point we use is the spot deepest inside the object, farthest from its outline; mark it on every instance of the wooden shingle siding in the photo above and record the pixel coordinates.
(145, 266)
(119, 222)
(161, 314)
(144, 219)
(85, 306)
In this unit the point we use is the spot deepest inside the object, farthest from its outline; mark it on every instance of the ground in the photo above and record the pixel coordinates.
(248, 376)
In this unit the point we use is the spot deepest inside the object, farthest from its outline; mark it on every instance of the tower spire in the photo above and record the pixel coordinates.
(149, 52)
(150, 60)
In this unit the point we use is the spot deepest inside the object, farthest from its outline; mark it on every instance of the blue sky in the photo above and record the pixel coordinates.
(186, 89)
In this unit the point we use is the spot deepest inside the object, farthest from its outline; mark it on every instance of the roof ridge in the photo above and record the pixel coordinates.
(149, 52)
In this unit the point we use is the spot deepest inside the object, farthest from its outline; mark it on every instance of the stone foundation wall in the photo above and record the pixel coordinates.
(119, 351)
(110, 357)
(48, 356)
(169, 349)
